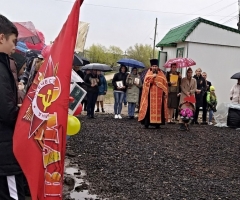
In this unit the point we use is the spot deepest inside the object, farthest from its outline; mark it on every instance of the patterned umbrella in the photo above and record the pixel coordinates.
(27, 32)
(180, 62)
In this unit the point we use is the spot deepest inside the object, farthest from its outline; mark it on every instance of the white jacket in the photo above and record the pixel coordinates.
(235, 94)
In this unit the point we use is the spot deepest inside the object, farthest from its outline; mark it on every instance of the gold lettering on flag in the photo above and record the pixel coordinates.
(52, 184)
(50, 156)
(51, 132)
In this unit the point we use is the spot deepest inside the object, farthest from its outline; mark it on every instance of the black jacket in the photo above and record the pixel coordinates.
(120, 77)
(80, 73)
(201, 85)
(87, 82)
(209, 84)
(8, 117)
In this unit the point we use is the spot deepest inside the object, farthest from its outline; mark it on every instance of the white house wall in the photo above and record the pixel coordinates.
(220, 63)
(185, 53)
(171, 52)
(205, 33)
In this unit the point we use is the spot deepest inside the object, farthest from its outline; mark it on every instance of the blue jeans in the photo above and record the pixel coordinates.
(118, 100)
(210, 115)
(131, 109)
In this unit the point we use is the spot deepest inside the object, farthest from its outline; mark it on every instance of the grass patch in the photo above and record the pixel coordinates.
(109, 83)
(107, 73)
(109, 99)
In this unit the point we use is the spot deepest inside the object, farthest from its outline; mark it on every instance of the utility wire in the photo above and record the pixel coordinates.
(149, 33)
(205, 7)
(230, 19)
(209, 5)
(228, 16)
(143, 10)
(220, 9)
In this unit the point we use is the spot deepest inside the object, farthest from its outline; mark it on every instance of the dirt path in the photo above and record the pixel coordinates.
(109, 76)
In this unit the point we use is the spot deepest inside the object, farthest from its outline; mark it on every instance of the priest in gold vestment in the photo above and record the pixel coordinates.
(153, 107)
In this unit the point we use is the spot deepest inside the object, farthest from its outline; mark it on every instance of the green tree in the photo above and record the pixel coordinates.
(114, 54)
(142, 53)
(97, 53)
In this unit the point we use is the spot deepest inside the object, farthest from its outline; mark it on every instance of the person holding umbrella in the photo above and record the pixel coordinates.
(235, 91)
(92, 82)
(173, 90)
(120, 87)
(102, 91)
(84, 101)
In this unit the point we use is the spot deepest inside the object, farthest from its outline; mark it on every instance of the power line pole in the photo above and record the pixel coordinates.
(154, 41)
(238, 24)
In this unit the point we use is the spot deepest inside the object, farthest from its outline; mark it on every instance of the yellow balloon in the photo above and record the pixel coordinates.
(73, 125)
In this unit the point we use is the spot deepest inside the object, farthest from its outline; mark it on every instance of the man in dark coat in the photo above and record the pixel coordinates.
(92, 82)
(11, 176)
(201, 89)
(209, 84)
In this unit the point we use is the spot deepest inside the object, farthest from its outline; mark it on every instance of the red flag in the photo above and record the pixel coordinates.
(40, 135)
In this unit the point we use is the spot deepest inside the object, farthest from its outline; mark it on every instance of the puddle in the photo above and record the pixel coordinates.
(83, 195)
(78, 176)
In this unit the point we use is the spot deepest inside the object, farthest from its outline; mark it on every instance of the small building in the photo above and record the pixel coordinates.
(214, 47)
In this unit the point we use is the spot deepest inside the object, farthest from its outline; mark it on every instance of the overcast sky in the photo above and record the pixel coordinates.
(121, 23)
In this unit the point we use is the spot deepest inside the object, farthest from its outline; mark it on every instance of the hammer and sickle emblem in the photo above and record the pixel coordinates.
(46, 101)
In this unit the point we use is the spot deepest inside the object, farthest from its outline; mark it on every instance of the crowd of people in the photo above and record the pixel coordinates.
(155, 94)
(158, 97)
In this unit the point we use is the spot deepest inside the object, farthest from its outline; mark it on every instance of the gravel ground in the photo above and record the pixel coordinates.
(125, 161)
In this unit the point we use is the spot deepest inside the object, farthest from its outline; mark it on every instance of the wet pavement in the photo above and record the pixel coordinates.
(80, 190)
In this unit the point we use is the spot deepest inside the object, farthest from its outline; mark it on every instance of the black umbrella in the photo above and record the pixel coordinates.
(236, 76)
(77, 61)
(97, 66)
(85, 61)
